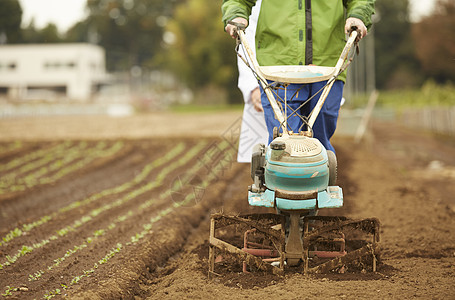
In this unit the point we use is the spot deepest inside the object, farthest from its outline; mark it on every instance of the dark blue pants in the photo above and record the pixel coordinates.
(325, 124)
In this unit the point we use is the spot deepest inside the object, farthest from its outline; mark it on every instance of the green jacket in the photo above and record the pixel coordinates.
(293, 32)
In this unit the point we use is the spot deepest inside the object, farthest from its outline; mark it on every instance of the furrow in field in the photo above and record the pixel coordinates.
(6, 148)
(88, 158)
(21, 177)
(73, 159)
(16, 232)
(29, 158)
(145, 232)
(93, 239)
(93, 214)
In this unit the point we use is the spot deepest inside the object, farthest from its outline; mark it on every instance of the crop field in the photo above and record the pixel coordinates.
(98, 214)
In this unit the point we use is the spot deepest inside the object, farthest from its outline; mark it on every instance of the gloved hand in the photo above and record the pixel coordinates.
(362, 29)
(231, 29)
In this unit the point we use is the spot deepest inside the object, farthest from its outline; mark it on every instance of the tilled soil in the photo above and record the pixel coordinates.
(134, 222)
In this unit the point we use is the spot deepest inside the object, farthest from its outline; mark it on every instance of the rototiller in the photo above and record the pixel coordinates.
(296, 176)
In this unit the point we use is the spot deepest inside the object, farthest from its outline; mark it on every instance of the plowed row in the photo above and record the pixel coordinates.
(128, 218)
(111, 200)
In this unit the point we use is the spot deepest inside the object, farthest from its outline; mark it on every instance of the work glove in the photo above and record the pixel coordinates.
(354, 22)
(232, 29)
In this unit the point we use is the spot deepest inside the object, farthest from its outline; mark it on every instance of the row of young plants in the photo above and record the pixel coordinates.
(36, 166)
(53, 151)
(16, 232)
(73, 160)
(100, 232)
(217, 168)
(80, 164)
(190, 173)
(11, 259)
(89, 240)
(6, 148)
(37, 275)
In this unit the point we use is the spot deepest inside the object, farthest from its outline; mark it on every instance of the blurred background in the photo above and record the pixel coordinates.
(135, 56)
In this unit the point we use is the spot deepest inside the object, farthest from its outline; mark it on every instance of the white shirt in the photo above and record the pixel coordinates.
(253, 129)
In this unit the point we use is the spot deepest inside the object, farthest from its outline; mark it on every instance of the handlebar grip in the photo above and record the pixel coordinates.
(354, 28)
(240, 26)
(359, 34)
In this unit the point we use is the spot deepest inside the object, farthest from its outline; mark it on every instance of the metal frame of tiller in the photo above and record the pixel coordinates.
(285, 75)
(260, 255)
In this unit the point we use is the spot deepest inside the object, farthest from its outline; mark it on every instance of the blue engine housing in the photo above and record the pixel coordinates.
(296, 176)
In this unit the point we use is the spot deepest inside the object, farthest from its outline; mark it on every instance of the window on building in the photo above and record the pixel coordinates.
(57, 65)
(12, 66)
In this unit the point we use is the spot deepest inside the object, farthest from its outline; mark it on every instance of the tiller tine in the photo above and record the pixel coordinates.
(264, 242)
(251, 253)
(369, 228)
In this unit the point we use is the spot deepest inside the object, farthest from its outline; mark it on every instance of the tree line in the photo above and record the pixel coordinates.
(187, 38)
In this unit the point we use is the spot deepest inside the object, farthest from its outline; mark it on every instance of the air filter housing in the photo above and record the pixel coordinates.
(296, 163)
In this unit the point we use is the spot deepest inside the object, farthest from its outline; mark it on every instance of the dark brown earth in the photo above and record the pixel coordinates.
(100, 248)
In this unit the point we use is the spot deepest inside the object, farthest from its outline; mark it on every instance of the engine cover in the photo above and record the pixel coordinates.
(296, 176)
(296, 163)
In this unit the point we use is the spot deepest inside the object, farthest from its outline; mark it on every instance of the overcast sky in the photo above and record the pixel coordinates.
(65, 13)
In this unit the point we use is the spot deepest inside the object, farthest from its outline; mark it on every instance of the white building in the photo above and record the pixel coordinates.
(46, 71)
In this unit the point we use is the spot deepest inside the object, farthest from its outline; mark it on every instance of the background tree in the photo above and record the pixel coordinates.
(130, 31)
(10, 20)
(80, 33)
(200, 52)
(48, 34)
(396, 63)
(434, 38)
